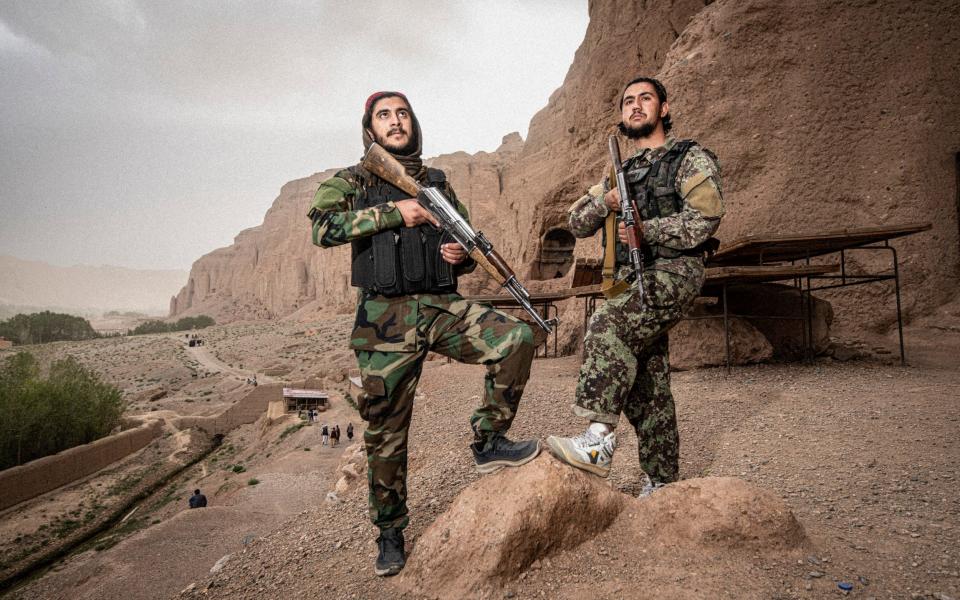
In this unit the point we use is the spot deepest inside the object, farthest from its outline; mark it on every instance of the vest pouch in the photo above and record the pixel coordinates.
(648, 206)
(667, 201)
(385, 263)
(411, 252)
(441, 272)
(402, 261)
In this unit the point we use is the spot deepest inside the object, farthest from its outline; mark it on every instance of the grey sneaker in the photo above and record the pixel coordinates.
(390, 559)
(498, 452)
(587, 451)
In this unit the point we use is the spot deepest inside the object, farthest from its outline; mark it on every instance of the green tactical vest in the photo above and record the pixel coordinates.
(652, 186)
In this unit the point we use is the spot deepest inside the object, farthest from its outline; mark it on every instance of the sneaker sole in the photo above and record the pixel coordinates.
(389, 571)
(561, 453)
(496, 465)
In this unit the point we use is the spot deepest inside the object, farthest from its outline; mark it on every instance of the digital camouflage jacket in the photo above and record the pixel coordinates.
(697, 182)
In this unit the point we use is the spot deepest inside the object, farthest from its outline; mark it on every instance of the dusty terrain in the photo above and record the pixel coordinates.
(864, 453)
(160, 377)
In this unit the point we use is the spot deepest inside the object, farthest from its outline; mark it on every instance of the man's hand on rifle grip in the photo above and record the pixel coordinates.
(612, 200)
(413, 214)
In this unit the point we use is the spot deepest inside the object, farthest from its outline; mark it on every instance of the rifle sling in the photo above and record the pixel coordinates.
(609, 253)
(609, 286)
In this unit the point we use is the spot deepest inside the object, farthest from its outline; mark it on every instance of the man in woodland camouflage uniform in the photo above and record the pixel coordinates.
(626, 365)
(408, 305)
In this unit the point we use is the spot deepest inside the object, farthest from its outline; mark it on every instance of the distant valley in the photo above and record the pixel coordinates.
(31, 286)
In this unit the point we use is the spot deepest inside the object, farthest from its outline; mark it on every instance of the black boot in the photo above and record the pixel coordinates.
(496, 451)
(391, 558)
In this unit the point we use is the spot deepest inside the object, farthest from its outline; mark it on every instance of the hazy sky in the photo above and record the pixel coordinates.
(145, 134)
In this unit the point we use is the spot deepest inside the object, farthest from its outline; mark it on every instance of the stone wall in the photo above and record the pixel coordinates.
(246, 410)
(50, 472)
(45, 474)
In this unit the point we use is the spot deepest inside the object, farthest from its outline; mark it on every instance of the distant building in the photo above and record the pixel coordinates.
(5, 343)
(296, 400)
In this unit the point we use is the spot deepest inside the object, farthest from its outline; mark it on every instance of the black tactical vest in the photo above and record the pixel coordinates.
(652, 186)
(400, 261)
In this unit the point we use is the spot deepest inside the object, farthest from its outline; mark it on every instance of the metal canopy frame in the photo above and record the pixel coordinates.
(718, 279)
(793, 248)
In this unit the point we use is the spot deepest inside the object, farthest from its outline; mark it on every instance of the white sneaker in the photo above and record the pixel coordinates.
(587, 451)
(649, 488)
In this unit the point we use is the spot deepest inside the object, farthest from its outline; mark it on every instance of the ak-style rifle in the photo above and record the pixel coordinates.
(382, 164)
(629, 214)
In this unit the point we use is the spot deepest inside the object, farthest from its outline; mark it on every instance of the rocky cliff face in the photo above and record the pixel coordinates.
(826, 114)
(274, 270)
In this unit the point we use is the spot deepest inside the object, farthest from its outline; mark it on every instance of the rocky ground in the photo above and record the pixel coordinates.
(63, 515)
(863, 453)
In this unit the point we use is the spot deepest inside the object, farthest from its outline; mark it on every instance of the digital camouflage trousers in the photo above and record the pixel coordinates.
(448, 325)
(626, 367)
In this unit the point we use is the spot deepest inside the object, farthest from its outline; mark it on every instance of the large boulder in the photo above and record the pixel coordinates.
(719, 513)
(701, 342)
(499, 526)
(536, 516)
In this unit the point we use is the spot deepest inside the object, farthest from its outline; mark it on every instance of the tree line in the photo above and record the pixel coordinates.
(184, 324)
(46, 326)
(42, 415)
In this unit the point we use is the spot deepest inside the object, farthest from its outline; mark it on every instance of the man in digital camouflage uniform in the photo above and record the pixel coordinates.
(408, 305)
(626, 366)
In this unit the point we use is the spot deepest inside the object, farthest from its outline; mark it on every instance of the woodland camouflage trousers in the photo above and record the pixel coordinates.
(448, 325)
(626, 367)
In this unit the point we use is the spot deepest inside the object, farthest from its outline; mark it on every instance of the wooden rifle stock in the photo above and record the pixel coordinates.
(379, 162)
(633, 231)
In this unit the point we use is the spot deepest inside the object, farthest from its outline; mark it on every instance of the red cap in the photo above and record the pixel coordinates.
(377, 95)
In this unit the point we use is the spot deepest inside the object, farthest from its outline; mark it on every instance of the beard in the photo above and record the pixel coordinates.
(636, 133)
(403, 150)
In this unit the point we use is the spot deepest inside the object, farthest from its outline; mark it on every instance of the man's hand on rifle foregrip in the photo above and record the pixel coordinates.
(453, 253)
(413, 214)
(622, 232)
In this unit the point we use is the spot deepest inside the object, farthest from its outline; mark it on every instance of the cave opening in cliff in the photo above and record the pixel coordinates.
(556, 254)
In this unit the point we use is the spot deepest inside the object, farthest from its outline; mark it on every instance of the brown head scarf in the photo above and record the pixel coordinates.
(411, 161)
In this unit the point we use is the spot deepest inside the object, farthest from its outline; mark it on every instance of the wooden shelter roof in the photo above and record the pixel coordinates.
(766, 248)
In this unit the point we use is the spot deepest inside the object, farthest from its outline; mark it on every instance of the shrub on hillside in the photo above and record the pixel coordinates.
(184, 324)
(40, 415)
(46, 326)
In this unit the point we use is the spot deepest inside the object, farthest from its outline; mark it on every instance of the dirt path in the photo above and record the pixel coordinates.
(213, 365)
(293, 474)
